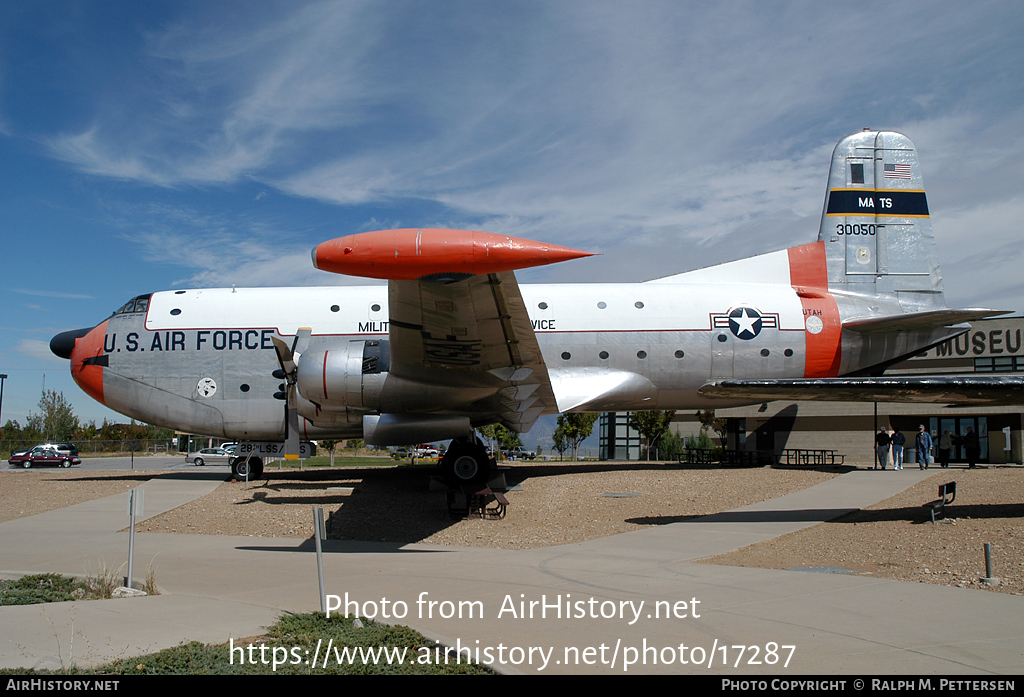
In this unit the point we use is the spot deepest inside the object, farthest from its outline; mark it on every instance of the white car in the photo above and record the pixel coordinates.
(201, 457)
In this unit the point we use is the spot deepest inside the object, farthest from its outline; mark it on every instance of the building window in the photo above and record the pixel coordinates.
(1001, 364)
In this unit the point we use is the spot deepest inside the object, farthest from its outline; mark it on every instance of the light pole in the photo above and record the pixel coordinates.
(2, 378)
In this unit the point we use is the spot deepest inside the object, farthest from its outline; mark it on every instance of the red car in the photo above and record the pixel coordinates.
(42, 455)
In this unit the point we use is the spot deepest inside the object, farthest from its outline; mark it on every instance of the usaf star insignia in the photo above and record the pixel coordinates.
(744, 322)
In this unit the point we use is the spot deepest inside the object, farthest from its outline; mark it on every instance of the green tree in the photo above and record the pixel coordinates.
(329, 446)
(505, 438)
(651, 425)
(670, 446)
(56, 419)
(575, 428)
(710, 422)
(560, 442)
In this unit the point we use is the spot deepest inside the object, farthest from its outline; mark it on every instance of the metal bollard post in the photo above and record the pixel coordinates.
(989, 579)
(320, 532)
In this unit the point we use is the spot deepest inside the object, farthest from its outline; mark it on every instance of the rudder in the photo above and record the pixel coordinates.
(875, 223)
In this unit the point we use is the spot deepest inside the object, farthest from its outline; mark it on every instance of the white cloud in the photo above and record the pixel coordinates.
(683, 134)
(52, 294)
(40, 350)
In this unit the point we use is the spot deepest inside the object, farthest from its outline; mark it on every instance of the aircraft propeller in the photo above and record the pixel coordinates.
(288, 357)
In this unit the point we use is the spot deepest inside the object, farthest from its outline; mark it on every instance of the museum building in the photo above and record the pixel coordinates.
(848, 428)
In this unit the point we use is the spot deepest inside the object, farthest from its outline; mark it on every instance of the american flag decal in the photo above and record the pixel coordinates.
(897, 171)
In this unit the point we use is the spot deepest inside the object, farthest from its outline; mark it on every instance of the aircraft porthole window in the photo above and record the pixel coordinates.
(788, 353)
(542, 306)
(334, 308)
(641, 354)
(375, 307)
(679, 354)
(603, 355)
(175, 312)
(602, 305)
(765, 352)
(566, 355)
(721, 337)
(638, 305)
(244, 387)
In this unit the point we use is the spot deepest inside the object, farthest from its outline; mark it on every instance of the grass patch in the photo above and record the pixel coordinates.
(295, 638)
(52, 588)
(55, 588)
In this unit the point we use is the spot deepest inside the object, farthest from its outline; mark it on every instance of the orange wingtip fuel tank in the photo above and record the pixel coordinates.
(413, 253)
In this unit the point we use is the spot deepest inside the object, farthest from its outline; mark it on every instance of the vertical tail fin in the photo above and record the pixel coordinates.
(875, 224)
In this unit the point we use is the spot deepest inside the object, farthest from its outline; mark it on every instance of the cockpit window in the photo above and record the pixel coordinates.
(136, 304)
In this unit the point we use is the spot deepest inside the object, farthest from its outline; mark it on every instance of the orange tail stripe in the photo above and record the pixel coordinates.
(808, 273)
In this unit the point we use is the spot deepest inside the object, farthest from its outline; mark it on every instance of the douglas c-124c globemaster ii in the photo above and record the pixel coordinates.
(453, 342)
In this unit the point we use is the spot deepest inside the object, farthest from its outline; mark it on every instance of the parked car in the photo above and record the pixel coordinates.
(201, 457)
(68, 448)
(519, 453)
(428, 450)
(43, 455)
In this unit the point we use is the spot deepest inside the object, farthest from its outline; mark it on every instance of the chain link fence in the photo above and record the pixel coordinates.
(155, 446)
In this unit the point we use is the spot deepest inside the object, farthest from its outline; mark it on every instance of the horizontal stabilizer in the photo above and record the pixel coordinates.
(953, 389)
(920, 320)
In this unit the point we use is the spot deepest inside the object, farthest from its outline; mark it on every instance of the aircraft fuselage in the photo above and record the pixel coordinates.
(202, 360)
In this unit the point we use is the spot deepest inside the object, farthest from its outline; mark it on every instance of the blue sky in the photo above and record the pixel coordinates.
(157, 145)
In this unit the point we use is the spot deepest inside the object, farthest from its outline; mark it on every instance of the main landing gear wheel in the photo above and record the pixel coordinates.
(466, 464)
(253, 467)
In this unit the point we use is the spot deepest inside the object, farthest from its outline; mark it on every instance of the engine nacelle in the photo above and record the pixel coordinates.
(344, 373)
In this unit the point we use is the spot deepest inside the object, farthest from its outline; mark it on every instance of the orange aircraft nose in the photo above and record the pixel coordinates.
(87, 358)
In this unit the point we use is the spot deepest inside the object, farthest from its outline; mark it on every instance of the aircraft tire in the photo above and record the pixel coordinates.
(465, 463)
(254, 468)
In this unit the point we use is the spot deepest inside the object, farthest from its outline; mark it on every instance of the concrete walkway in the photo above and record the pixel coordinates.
(606, 599)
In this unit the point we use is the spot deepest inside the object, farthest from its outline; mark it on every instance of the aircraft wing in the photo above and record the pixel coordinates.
(457, 319)
(471, 333)
(953, 389)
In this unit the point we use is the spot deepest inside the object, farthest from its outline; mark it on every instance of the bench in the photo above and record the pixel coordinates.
(947, 494)
(735, 458)
(801, 456)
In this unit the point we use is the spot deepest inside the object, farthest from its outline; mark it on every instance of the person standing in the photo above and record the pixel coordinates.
(945, 446)
(882, 441)
(923, 443)
(898, 441)
(973, 447)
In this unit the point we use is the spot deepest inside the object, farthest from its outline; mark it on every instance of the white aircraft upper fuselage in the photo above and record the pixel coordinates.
(479, 348)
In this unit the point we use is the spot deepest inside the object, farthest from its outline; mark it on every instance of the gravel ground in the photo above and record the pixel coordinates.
(564, 502)
(896, 539)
